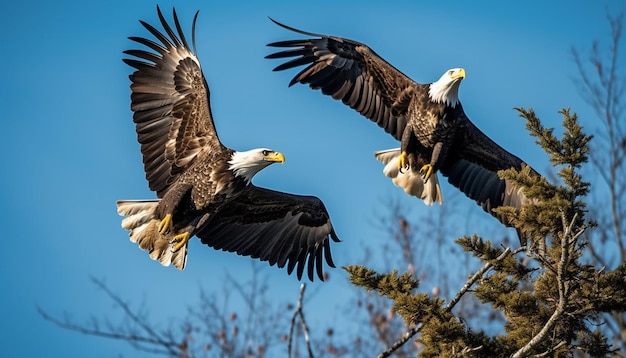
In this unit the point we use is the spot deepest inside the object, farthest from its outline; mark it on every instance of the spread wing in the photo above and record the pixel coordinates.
(352, 72)
(280, 228)
(170, 98)
(476, 147)
(473, 168)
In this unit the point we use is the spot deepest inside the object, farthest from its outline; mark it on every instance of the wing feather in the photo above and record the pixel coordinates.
(148, 43)
(170, 98)
(474, 166)
(485, 187)
(283, 229)
(350, 71)
(480, 149)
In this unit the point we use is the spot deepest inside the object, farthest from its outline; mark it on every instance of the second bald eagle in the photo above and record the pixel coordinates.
(428, 120)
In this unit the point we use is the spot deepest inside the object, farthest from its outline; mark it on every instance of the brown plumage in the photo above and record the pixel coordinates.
(427, 119)
(204, 188)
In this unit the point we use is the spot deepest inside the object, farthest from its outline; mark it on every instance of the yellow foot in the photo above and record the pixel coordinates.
(402, 162)
(166, 224)
(426, 172)
(179, 241)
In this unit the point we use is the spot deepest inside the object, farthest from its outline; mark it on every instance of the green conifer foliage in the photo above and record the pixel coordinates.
(551, 299)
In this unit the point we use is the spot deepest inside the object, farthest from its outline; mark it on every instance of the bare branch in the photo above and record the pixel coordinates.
(298, 313)
(405, 338)
(160, 343)
(602, 84)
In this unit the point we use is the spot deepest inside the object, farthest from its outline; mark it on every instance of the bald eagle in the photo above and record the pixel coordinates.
(205, 188)
(428, 119)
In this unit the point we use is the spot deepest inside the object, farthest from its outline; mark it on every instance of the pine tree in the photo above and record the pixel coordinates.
(552, 303)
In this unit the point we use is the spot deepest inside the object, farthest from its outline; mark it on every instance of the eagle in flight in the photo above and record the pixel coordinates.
(203, 187)
(428, 119)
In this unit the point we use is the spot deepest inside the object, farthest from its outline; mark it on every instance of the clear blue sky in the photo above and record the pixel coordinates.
(70, 149)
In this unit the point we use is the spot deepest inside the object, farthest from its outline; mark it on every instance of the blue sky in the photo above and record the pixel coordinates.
(71, 152)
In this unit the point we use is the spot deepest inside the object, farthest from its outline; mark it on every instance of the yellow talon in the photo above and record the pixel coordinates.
(402, 163)
(426, 172)
(166, 224)
(179, 241)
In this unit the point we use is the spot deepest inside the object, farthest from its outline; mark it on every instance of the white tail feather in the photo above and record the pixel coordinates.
(410, 181)
(143, 224)
(138, 213)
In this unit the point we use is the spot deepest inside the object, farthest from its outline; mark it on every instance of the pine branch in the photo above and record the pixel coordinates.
(468, 284)
(478, 274)
(567, 241)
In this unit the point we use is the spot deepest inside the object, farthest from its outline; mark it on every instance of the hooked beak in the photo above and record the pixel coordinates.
(275, 157)
(460, 73)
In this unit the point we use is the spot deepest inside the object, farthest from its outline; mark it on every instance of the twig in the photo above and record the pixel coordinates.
(465, 351)
(550, 351)
(129, 337)
(405, 337)
(476, 276)
(153, 338)
(305, 328)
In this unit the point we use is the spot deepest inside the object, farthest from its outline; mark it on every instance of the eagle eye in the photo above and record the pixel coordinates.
(266, 152)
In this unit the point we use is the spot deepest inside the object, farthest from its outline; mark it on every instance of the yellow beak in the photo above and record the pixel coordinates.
(275, 157)
(460, 73)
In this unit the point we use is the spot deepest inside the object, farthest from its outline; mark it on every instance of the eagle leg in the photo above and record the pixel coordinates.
(179, 241)
(426, 172)
(402, 162)
(166, 224)
(438, 155)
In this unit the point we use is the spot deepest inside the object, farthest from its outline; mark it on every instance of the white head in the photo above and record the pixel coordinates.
(446, 89)
(247, 164)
